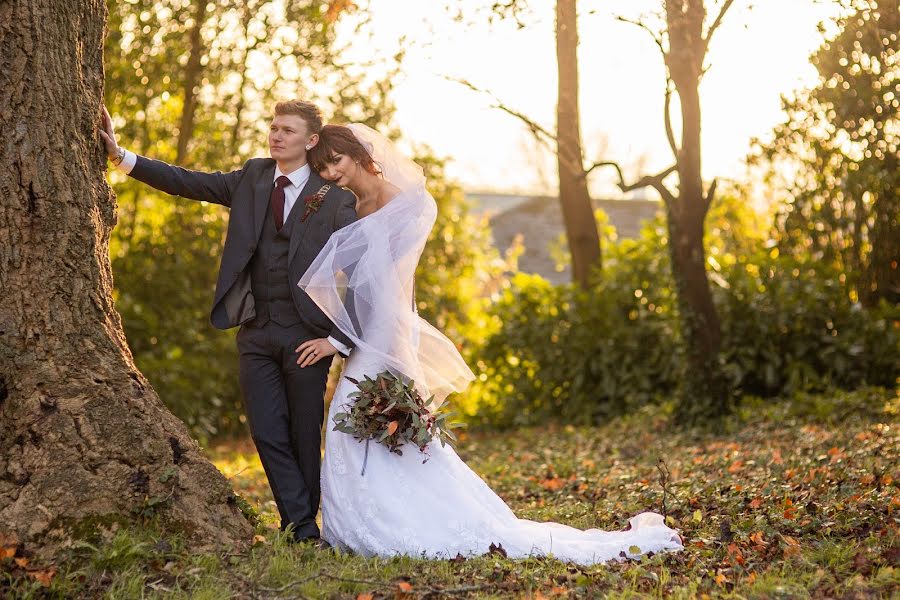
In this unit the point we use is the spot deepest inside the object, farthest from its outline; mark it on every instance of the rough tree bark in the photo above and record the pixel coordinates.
(83, 436)
(577, 210)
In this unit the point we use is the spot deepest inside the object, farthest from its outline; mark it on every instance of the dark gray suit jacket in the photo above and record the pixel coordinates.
(246, 192)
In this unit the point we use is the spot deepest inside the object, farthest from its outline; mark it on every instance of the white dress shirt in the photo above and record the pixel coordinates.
(298, 178)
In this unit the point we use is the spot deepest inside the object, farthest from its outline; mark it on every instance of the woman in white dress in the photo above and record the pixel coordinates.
(363, 280)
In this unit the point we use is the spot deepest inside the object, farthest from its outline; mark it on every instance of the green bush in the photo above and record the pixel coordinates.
(789, 326)
(580, 356)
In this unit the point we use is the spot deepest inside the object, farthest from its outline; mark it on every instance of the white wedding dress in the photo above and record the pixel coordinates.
(436, 509)
(363, 280)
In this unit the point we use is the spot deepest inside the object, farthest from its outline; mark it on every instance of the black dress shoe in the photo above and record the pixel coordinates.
(316, 542)
(321, 544)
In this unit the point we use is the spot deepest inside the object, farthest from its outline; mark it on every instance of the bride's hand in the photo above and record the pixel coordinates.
(312, 351)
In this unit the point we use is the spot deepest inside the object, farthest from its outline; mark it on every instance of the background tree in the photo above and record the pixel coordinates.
(83, 436)
(835, 155)
(578, 213)
(575, 201)
(684, 42)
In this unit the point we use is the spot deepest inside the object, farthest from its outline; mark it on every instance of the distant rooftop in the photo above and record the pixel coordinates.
(539, 220)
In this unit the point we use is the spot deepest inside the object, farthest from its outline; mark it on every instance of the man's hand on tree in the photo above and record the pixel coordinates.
(108, 134)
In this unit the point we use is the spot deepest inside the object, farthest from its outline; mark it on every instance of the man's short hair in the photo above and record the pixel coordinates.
(307, 111)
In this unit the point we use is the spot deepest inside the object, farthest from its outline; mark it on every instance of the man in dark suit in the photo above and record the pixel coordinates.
(281, 216)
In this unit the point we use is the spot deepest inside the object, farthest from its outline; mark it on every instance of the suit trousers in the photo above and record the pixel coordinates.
(285, 408)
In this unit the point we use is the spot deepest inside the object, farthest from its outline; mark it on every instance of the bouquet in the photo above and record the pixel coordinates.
(389, 410)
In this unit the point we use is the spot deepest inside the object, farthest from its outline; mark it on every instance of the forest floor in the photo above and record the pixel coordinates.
(791, 499)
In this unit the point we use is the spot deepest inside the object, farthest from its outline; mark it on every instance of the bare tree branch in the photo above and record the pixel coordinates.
(716, 23)
(710, 194)
(654, 181)
(656, 37)
(540, 133)
(668, 118)
(605, 163)
(536, 129)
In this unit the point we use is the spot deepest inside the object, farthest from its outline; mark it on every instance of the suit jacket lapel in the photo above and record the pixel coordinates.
(262, 193)
(313, 184)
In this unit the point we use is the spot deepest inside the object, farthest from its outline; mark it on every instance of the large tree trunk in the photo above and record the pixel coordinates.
(83, 437)
(704, 392)
(578, 213)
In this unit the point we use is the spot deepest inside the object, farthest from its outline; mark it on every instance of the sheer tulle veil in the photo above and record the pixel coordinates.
(363, 279)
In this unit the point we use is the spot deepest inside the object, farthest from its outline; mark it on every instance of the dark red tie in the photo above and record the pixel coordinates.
(277, 200)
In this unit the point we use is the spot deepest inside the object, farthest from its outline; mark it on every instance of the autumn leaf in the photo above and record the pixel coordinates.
(789, 510)
(364, 596)
(392, 427)
(7, 552)
(756, 502)
(404, 586)
(736, 466)
(22, 562)
(792, 545)
(836, 454)
(553, 484)
(43, 577)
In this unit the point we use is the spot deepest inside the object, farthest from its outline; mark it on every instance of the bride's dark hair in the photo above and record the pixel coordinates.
(337, 139)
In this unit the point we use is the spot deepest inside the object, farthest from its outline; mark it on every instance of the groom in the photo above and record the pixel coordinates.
(282, 214)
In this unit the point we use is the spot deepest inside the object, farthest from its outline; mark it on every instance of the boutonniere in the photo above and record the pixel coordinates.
(314, 203)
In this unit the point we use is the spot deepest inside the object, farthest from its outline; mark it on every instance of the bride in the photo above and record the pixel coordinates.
(375, 502)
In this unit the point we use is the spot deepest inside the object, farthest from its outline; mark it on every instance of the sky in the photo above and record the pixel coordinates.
(758, 53)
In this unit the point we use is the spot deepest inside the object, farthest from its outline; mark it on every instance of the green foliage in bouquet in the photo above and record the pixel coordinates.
(389, 410)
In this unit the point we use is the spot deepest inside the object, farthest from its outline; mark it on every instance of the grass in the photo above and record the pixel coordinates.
(797, 499)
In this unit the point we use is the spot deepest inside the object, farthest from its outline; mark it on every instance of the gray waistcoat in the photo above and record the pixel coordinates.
(269, 272)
